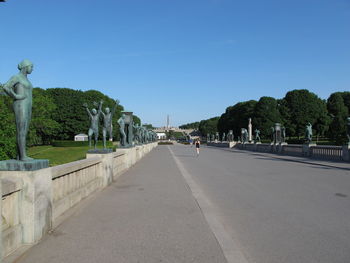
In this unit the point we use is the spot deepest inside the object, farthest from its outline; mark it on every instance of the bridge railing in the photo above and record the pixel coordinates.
(34, 202)
(328, 152)
(325, 152)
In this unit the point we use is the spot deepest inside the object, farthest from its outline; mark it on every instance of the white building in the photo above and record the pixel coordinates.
(81, 137)
(161, 135)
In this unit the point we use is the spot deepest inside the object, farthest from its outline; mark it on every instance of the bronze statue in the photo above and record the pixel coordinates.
(121, 122)
(107, 123)
(308, 133)
(20, 89)
(257, 135)
(94, 121)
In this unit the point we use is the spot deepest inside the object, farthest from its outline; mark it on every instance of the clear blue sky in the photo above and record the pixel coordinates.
(186, 58)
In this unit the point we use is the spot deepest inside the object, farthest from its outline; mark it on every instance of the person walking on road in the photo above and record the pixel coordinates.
(198, 143)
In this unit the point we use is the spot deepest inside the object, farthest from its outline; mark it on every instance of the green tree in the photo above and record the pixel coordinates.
(266, 114)
(302, 107)
(208, 126)
(7, 130)
(192, 125)
(339, 113)
(236, 117)
(42, 127)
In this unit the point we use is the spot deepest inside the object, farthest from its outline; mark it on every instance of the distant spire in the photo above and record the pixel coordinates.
(167, 122)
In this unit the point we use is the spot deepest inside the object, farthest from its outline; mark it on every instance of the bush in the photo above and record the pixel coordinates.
(77, 143)
(165, 143)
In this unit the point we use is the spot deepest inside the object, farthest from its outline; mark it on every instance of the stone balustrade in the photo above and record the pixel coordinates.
(36, 201)
(324, 152)
(328, 152)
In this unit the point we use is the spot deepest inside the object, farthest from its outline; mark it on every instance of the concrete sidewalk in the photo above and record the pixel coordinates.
(148, 215)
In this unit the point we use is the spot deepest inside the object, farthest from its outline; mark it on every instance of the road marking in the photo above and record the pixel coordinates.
(230, 248)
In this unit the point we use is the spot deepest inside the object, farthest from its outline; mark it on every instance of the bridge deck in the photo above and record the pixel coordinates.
(248, 207)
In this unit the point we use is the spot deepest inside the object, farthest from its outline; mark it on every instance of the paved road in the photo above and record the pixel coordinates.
(276, 210)
(254, 209)
(148, 216)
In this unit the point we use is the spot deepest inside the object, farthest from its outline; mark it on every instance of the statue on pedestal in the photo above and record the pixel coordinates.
(94, 121)
(223, 137)
(308, 133)
(20, 89)
(230, 136)
(283, 134)
(273, 135)
(217, 136)
(212, 137)
(107, 123)
(121, 122)
(208, 137)
(137, 133)
(257, 135)
(244, 135)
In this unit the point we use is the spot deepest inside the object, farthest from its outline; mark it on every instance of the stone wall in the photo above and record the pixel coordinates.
(324, 152)
(34, 202)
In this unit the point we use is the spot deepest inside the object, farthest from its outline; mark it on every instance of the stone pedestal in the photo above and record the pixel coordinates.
(306, 149)
(280, 147)
(31, 165)
(346, 152)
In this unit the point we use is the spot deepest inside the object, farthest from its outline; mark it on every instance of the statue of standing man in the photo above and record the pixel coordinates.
(94, 119)
(20, 89)
(121, 122)
(107, 123)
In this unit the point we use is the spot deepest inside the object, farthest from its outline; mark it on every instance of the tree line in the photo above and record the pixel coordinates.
(298, 107)
(57, 114)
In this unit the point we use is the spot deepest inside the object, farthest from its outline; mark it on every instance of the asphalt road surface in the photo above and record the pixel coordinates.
(222, 206)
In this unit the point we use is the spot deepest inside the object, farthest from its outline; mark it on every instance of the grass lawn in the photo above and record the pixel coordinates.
(58, 155)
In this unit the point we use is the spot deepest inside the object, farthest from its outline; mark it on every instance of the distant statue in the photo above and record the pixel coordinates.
(348, 129)
(273, 135)
(257, 135)
(283, 133)
(121, 122)
(208, 137)
(308, 133)
(230, 136)
(212, 137)
(94, 121)
(107, 123)
(244, 135)
(137, 133)
(20, 89)
(223, 137)
(217, 137)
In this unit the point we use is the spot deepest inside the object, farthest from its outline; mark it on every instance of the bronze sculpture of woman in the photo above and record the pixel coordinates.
(20, 89)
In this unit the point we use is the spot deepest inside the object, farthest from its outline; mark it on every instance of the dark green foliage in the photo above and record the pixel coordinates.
(339, 112)
(208, 126)
(301, 107)
(7, 130)
(72, 116)
(136, 120)
(193, 125)
(42, 127)
(77, 143)
(165, 143)
(148, 126)
(266, 114)
(236, 117)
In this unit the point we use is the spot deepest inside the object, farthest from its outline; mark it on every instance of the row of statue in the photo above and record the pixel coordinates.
(278, 134)
(130, 133)
(20, 89)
